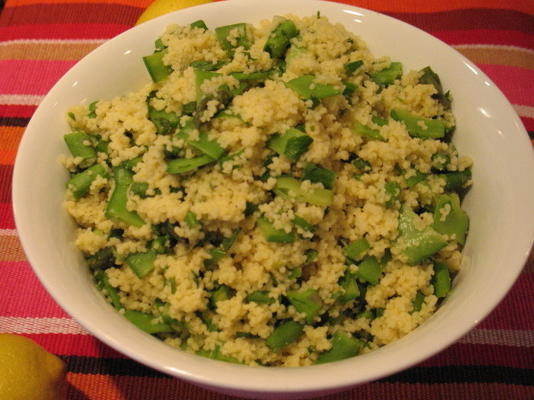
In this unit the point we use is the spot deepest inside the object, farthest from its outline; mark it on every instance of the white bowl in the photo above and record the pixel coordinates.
(499, 204)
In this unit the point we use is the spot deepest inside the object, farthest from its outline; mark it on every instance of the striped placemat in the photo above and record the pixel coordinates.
(41, 39)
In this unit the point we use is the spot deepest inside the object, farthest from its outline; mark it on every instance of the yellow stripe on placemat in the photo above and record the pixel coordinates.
(47, 49)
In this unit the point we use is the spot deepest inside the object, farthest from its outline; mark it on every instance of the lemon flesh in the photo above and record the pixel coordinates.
(160, 7)
(27, 371)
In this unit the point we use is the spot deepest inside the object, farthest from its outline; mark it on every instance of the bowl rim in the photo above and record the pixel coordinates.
(271, 375)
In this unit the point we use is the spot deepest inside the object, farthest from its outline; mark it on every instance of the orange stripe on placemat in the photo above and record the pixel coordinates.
(85, 387)
(47, 49)
(498, 55)
(10, 137)
(10, 248)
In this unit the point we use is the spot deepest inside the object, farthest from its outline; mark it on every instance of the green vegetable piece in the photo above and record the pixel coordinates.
(92, 110)
(207, 65)
(80, 183)
(356, 249)
(418, 301)
(388, 75)
(306, 87)
(102, 282)
(350, 88)
(423, 128)
(222, 293)
(191, 220)
(429, 77)
(441, 280)
(102, 146)
(343, 346)
(272, 234)
(317, 174)
(259, 297)
(365, 131)
(289, 187)
(279, 39)
(211, 148)
(165, 122)
(295, 273)
(240, 40)
(393, 191)
(416, 245)
(307, 302)
(216, 354)
(250, 208)
(299, 221)
(131, 163)
(457, 181)
(102, 259)
(156, 67)
(362, 166)
(351, 67)
(252, 76)
(415, 179)
(216, 255)
(370, 270)
(311, 255)
(189, 108)
(81, 145)
(379, 120)
(158, 44)
(139, 189)
(146, 322)
(71, 115)
(293, 144)
(200, 77)
(183, 165)
(200, 24)
(286, 333)
(141, 263)
(350, 287)
(440, 160)
(228, 242)
(449, 218)
(116, 208)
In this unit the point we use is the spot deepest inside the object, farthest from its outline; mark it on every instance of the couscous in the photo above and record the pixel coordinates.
(276, 196)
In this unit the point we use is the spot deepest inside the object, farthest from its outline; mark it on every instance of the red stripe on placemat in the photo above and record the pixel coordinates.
(6, 216)
(512, 81)
(17, 111)
(475, 18)
(75, 345)
(17, 275)
(80, 13)
(529, 123)
(62, 31)
(31, 76)
(485, 36)
(512, 311)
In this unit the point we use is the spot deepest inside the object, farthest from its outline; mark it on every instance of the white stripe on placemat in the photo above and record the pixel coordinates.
(492, 46)
(524, 111)
(23, 325)
(8, 232)
(500, 337)
(21, 99)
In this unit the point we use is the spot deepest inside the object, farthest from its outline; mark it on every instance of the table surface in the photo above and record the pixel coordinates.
(41, 39)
